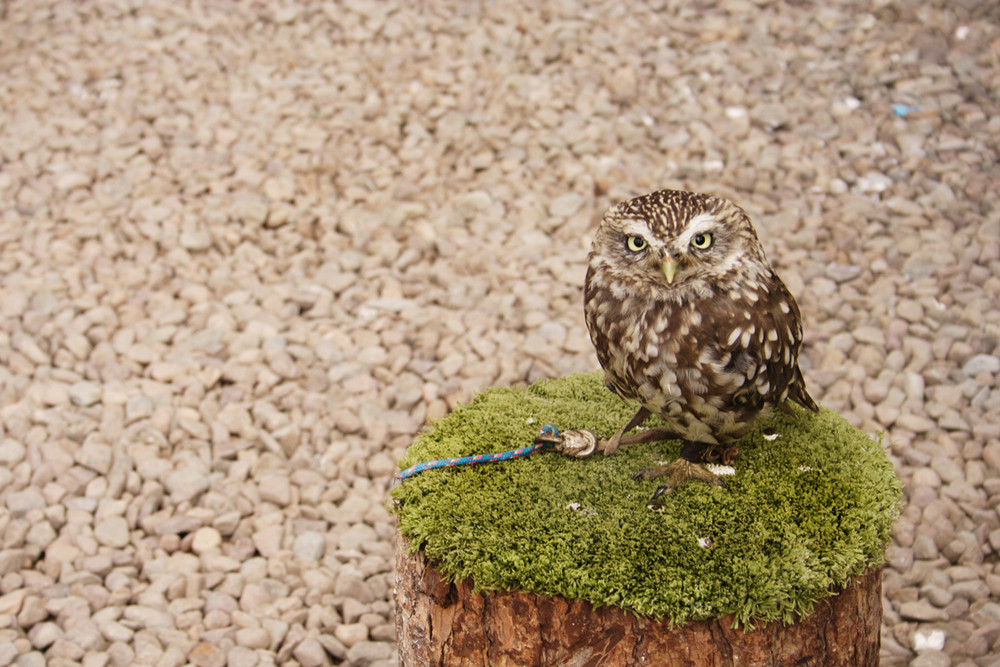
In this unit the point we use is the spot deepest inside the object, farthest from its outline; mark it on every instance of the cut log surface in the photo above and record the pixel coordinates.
(442, 623)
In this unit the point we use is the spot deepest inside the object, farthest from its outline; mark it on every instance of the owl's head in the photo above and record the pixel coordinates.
(679, 241)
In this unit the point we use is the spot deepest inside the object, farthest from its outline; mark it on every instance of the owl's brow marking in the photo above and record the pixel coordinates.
(699, 224)
(635, 227)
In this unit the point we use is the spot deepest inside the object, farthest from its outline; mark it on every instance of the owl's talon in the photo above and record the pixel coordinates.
(677, 473)
(666, 488)
(729, 455)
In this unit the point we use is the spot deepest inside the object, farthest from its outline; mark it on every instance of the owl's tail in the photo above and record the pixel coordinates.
(797, 391)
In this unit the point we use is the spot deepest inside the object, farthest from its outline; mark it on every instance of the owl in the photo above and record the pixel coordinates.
(691, 322)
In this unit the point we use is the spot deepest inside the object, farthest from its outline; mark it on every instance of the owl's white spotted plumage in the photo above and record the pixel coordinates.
(690, 320)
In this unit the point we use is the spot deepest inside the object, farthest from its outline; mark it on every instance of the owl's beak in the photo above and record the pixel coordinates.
(669, 267)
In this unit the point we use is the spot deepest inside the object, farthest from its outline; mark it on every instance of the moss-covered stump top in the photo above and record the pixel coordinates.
(802, 514)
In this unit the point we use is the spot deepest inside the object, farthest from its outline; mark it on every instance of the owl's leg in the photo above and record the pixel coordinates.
(611, 446)
(687, 467)
(721, 454)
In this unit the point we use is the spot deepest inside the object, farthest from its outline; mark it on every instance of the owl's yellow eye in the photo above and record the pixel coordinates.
(701, 241)
(636, 243)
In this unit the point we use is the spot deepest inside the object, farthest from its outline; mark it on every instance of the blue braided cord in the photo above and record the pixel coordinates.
(547, 430)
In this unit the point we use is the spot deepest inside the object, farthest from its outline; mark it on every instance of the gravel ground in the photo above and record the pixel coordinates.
(249, 248)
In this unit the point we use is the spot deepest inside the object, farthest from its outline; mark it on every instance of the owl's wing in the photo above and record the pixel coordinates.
(763, 346)
(796, 384)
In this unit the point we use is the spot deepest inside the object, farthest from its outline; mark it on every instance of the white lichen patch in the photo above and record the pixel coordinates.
(719, 469)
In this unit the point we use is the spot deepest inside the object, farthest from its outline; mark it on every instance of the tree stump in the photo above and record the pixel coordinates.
(444, 624)
(550, 560)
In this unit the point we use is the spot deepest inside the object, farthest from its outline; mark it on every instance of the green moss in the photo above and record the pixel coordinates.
(801, 515)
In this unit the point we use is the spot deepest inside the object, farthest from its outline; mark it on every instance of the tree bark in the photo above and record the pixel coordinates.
(443, 624)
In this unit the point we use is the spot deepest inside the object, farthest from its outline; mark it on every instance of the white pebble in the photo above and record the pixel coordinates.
(251, 209)
(21, 502)
(351, 633)
(253, 638)
(186, 483)
(268, 540)
(11, 452)
(310, 653)
(94, 455)
(565, 205)
(206, 655)
(874, 182)
(72, 180)
(928, 640)
(309, 546)
(197, 239)
(279, 189)
(112, 532)
(43, 635)
(275, 488)
(981, 363)
(156, 214)
(206, 539)
(85, 393)
(357, 536)
(241, 656)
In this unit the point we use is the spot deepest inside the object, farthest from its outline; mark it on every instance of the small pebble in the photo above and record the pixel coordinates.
(309, 546)
(982, 363)
(95, 455)
(185, 484)
(241, 656)
(931, 659)
(922, 611)
(85, 393)
(206, 539)
(268, 540)
(253, 638)
(206, 655)
(310, 653)
(565, 205)
(22, 502)
(112, 532)
(364, 653)
(351, 633)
